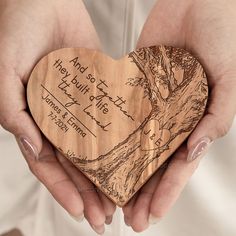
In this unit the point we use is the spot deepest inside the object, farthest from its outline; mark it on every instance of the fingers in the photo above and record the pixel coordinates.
(49, 171)
(171, 184)
(93, 206)
(160, 28)
(128, 209)
(218, 119)
(140, 213)
(160, 193)
(13, 115)
(108, 206)
(137, 210)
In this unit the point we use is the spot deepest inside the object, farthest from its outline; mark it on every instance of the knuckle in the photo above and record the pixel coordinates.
(6, 123)
(9, 123)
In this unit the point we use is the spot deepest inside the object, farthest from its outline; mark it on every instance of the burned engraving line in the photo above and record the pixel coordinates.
(68, 110)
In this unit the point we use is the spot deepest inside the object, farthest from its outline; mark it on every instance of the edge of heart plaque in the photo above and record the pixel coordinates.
(117, 121)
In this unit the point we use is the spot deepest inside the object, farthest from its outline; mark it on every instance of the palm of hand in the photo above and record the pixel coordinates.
(35, 29)
(205, 28)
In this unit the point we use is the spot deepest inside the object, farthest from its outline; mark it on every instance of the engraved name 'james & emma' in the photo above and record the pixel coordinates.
(71, 121)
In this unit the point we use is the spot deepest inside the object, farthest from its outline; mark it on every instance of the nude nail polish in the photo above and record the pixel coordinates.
(78, 218)
(100, 230)
(199, 149)
(28, 149)
(153, 220)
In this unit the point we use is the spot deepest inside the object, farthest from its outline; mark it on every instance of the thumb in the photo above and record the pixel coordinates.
(217, 120)
(14, 117)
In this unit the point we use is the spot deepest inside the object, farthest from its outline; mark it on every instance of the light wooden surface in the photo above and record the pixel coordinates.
(118, 121)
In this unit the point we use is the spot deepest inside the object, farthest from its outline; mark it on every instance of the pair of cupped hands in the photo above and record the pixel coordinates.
(31, 29)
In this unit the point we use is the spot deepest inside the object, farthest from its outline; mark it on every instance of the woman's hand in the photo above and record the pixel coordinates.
(28, 31)
(207, 29)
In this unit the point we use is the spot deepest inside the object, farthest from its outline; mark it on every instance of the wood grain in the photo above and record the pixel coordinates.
(118, 121)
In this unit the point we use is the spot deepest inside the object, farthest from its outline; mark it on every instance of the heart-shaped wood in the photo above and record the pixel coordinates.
(118, 121)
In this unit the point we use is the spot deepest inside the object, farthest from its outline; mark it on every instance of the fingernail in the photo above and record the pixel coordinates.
(99, 229)
(127, 220)
(28, 149)
(108, 220)
(200, 149)
(78, 218)
(153, 220)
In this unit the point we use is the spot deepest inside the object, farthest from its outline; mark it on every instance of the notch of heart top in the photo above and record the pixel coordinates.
(117, 121)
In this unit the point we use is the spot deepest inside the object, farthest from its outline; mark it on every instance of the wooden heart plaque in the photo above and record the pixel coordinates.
(117, 121)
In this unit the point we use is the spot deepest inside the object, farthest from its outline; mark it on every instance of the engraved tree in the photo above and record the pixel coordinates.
(176, 109)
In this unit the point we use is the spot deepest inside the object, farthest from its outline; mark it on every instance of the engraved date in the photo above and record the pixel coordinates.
(58, 122)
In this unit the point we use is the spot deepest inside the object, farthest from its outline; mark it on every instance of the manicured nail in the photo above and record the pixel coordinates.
(78, 218)
(99, 229)
(108, 220)
(127, 221)
(28, 149)
(199, 149)
(153, 220)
